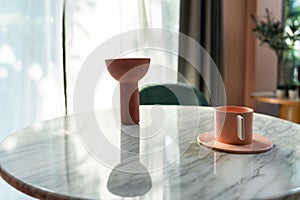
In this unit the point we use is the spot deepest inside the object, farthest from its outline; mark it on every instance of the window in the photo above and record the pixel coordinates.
(89, 23)
(31, 87)
(31, 82)
(291, 15)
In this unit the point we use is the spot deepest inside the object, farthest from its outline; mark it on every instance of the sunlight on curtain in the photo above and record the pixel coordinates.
(30, 63)
(89, 23)
(30, 68)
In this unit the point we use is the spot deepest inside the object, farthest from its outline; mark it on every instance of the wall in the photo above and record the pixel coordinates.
(248, 67)
(239, 51)
(234, 50)
(266, 60)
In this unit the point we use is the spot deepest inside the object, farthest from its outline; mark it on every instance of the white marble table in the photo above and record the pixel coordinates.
(159, 159)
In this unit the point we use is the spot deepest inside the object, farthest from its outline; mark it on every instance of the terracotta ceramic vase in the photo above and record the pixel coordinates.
(128, 71)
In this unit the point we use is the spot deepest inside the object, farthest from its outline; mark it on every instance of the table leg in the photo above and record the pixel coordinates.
(291, 113)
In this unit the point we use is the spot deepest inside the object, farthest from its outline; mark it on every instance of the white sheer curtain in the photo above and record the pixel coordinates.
(31, 82)
(31, 86)
(89, 23)
(30, 63)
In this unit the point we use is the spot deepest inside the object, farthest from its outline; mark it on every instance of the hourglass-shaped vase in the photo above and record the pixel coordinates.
(128, 71)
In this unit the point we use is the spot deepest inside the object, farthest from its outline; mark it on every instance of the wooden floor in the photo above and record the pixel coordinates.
(9, 193)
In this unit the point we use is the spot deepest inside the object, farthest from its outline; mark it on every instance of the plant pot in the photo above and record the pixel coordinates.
(128, 71)
(285, 73)
(280, 93)
(293, 94)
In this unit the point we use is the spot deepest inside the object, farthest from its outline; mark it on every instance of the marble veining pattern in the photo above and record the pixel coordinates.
(49, 160)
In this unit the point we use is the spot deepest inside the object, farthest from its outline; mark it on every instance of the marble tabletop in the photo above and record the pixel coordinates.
(64, 158)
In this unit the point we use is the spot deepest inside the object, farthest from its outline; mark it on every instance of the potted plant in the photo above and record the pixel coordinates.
(281, 39)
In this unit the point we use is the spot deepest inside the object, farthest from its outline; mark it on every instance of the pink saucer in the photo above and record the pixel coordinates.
(259, 144)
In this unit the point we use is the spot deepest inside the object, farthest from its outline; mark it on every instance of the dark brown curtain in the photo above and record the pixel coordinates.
(202, 20)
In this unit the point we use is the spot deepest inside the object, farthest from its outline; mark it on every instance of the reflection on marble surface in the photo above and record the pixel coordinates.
(50, 161)
(130, 169)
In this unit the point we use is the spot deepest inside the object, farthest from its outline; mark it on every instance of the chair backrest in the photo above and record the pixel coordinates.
(171, 94)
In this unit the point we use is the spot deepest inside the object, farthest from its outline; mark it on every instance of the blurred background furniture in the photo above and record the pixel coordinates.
(171, 94)
(289, 108)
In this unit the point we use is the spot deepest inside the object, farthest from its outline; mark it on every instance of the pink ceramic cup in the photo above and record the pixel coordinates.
(234, 125)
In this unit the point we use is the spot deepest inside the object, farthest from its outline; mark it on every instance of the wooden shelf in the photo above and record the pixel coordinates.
(289, 108)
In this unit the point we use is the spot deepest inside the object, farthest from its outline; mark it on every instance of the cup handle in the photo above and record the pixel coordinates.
(240, 127)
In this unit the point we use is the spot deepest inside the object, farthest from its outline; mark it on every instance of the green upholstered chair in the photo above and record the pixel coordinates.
(171, 94)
